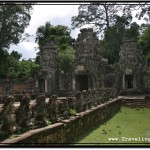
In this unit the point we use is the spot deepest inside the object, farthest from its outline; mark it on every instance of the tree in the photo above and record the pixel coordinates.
(144, 41)
(110, 46)
(142, 10)
(3, 55)
(11, 66)
(103, 14)
(16, 55)
(67, 59)
(99, 14)
(133, 31)
(13, 21)
(21, 69)
(60, 35)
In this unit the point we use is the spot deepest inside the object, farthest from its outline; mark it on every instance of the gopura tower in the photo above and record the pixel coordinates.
(47, 75)
(86, 71)
(130, 66)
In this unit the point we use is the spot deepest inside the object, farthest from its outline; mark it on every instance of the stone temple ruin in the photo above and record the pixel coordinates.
(91, 71)
(92, 86)
(88, 60)
(47, 78)
(133, 72)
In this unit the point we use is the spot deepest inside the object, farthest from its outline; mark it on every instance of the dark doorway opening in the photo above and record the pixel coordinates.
(129, 81)
(41, 85)
(82, 82)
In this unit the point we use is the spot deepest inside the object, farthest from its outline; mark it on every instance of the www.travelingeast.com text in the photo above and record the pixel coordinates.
(130, 139)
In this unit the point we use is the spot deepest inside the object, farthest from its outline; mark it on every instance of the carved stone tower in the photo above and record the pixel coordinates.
(48, 68)
(130, 65)
(87, 61)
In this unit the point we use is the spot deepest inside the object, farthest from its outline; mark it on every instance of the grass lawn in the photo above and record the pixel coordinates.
(128, 126)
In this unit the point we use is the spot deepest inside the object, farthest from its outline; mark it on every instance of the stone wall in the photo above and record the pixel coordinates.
(132, 71)
(136, 103)
(16, 85)
(68, 130)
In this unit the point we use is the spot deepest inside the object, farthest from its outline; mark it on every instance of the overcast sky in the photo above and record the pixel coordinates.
(56, 14)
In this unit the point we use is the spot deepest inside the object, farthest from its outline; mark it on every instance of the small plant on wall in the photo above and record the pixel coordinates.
(49, 122)
(72, 112)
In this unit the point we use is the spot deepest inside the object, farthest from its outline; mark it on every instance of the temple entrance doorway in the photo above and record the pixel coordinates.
(129, 81)
(41, 83)
(82, 82)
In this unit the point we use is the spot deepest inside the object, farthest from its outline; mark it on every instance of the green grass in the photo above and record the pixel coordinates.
(128, 122)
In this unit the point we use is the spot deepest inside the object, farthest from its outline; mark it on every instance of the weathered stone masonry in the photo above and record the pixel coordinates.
(68, 130)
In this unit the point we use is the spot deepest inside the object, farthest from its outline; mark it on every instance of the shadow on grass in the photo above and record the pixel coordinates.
(85, 134)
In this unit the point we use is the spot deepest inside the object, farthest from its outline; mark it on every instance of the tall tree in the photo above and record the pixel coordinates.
(133, 31)
(16, 55)
(144, 42)
(103, 14)
(59, 34)
(14, 18)
(99, 14)
(142, 10)
(110, 46)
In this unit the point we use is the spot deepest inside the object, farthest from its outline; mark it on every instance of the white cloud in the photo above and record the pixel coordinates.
(43, 13)
(27, 49)
(56, 14)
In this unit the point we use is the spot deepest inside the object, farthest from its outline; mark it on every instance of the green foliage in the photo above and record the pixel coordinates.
(3, 68)
(13, 136)
(13, 21)
(61, 36)
(12, 67)
(67, 58)
(72, 112)
(103, 14)
(144, 42)
(110, 46)
(133, 31)
(98, 14)
(48, 122)
(27, 69)
(113, 21)
(16, 55)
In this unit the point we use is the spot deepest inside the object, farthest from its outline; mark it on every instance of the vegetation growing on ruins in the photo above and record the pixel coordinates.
(129, 122)
(113, 22)
(60, 35)
(144, 42)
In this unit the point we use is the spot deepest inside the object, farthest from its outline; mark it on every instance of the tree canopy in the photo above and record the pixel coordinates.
(12, 67)
(13, 21)
(59, 34)
(113, 21)
(103, 14)
(14, 18)
(144, 42)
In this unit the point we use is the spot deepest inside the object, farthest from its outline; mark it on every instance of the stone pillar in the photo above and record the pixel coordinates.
(123, 82)
(36, 84)
(46, 82)
(73, 84)
(134, 82)
(103, 80)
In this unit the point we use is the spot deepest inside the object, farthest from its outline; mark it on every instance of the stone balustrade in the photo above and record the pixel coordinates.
(42, 112)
